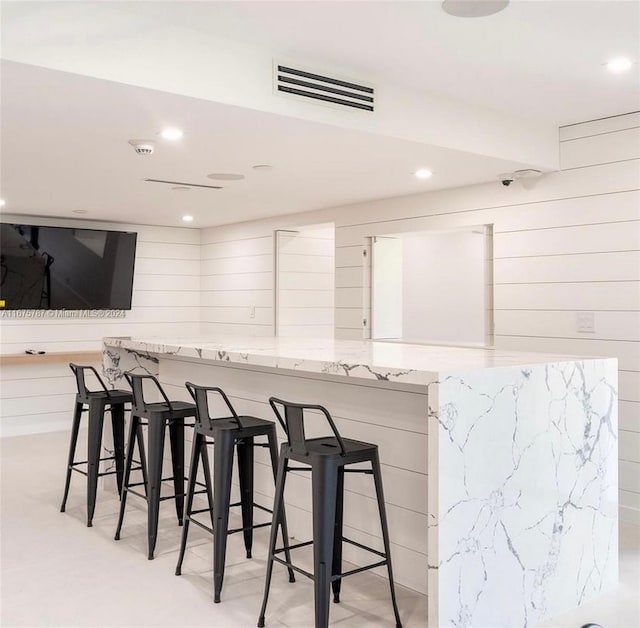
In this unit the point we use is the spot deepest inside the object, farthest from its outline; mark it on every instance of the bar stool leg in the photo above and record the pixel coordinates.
(191, 487)
(96, 421)
(134, 430)
(336, 567)
(139, 436)
(222, 471)
(176, 436)
(273, 451)
(277, 518)
(245, 475)
(377, 478)
(156, 449)
(117, 427)
(75, 427)
(206, 468)
(324, 483)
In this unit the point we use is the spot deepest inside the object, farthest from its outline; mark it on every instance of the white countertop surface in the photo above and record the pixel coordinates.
(408, 363)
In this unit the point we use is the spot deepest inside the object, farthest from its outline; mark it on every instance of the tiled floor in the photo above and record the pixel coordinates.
(58, 572)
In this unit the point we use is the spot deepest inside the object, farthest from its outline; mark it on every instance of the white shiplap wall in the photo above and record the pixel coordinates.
(569, 243)
(305, 303)
(238, 265)
(166, 300)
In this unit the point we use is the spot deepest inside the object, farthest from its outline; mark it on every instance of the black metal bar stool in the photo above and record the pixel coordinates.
(228, 433)
(96, 402)
(158, 416)
(327, 459)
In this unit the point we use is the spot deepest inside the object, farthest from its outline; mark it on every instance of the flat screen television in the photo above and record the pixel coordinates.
(61, 268)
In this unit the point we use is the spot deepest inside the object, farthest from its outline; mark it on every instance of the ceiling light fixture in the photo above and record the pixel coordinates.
(2, 202)
(473, 8)
(172, 134)
(619, 65)
(187, 218)
(423, 173)
(225, 176)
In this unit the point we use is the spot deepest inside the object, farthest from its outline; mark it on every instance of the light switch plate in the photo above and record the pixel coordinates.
(585, 322)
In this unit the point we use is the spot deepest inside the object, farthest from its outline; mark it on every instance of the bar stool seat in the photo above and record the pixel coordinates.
(327, 459)
(159, 417)
(97, 403)
(228, 434)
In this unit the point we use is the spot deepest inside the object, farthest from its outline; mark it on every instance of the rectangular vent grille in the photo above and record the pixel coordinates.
(187, 185)
(332, 91)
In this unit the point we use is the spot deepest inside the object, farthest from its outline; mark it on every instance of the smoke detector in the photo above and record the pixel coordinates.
(143, 147)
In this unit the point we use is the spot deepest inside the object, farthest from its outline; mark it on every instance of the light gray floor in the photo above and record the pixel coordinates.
(58, 572)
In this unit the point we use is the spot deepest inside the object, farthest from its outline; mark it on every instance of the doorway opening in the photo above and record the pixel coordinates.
(433, 287)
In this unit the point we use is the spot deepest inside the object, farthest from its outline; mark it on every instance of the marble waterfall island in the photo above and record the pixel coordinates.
(500, 467)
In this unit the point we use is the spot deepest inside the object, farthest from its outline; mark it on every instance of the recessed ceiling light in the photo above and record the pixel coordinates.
(473, 8)
(187, 218)
(172, 134)
(225, 176)
(423, 173)
(2, 202)
(79, 211)
(262, 167)
(619, 64)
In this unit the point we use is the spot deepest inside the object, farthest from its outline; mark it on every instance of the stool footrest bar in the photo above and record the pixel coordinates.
(286, 564)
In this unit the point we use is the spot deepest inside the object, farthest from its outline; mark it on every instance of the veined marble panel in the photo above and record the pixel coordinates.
(524, 484)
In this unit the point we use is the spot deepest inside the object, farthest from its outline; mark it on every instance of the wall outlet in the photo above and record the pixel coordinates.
(585, 322)
(252, 311)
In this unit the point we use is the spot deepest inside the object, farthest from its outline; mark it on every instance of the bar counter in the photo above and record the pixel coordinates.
(500, 467)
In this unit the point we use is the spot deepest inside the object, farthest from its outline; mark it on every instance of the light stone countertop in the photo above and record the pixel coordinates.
(409, 363)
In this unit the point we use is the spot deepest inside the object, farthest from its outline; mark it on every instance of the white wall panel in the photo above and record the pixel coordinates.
(235, 265)
(614, 295)
(305, 282)
(629, 384)
(237, 248)
(596, 127)
(603, 148)
(248, 281)
(235, 298)
(629, 416)
(607, 266)
(616, 236)
(562, 324)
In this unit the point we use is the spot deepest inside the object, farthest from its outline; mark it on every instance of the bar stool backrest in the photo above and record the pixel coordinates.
(83, 391)
(293, 424)
(200, 395)
(136, 381)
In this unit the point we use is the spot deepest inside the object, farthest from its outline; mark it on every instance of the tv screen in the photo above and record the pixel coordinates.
(59, 268)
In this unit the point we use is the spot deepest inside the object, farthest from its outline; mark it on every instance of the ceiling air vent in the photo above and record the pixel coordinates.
(183, 184)
(289, 81)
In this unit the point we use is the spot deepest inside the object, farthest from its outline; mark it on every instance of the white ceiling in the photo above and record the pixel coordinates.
(65, 147)
(540, 59)
(64, 136)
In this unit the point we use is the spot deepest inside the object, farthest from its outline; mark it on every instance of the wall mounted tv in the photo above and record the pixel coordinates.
(60, 268)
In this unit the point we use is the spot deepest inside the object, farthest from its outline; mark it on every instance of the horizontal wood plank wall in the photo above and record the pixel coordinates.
(569, 243)
(166, 302)
(237, 275)
(306, 282)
